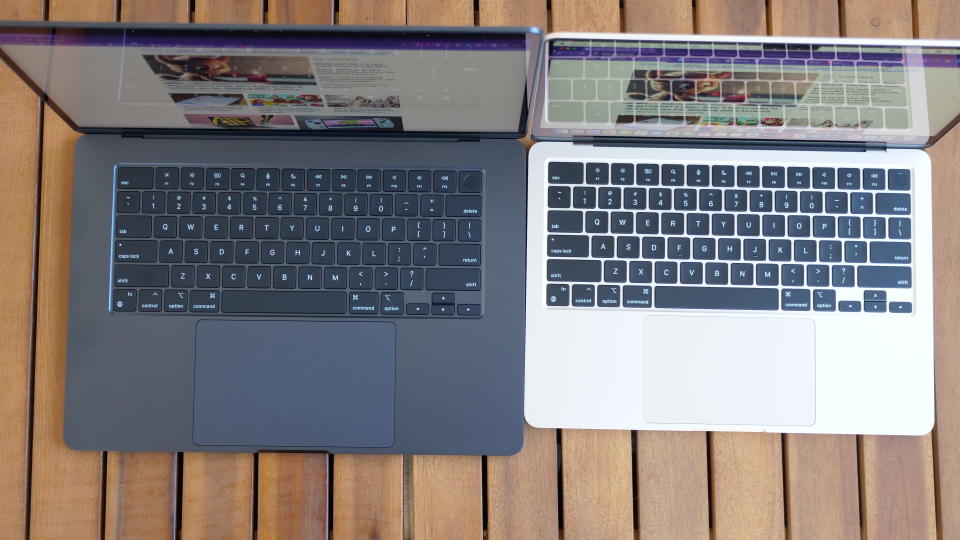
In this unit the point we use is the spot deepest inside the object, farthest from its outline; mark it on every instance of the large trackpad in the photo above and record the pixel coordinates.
(278, 383)
(729, 370)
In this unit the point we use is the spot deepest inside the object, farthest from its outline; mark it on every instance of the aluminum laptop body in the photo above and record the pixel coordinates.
(291, 238)
(734, 234)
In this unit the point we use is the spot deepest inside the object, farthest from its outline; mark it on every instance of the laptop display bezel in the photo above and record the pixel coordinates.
(540, 133)
(532, 36)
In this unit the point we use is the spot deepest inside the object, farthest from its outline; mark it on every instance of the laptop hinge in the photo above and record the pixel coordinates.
(731, 144)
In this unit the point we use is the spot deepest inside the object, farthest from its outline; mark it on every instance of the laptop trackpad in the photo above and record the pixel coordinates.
(729, 370)
(280, 383)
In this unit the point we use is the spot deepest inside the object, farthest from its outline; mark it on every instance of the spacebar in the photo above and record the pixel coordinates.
(716, 298)
(309, 302)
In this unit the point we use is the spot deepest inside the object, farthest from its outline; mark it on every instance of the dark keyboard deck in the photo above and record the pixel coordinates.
(289, 241)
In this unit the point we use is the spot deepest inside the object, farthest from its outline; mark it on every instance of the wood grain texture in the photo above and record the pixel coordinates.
(822, 491)
(896, 476)
(141, 488)
(155, 10)
(522, 489)
(597, 484)
(585, 16)
(217, 496)
(746, 468)
(672, 499)
(300, 12)
(877, 18)
(941, 19)
(218, 488)
(372, 12)
(821, 470)
(658, 16)
(65, 484)
(514, 13)
(141, 495)
(731, 17)
(440, 12)
(898, 488)
(228, 11)
(672, 485)
(18, 215)
(292, 495)
(368, 490)
(367, 497)
(447, 498)
(522, 499)
(808, 18)
(747, 498)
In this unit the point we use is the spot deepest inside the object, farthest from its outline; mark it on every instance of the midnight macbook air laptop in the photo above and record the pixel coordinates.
(291, 237)
(731, 233)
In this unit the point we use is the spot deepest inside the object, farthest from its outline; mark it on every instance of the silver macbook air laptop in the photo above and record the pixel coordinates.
(732, 233)
(298, 238)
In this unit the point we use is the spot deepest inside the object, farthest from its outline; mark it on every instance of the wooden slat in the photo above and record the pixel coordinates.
(672, 499)
(896, 477)
(367, 497)
(217, 495)
(18, 214)
(218, 488)
(141, 488)
(821, 470)
(514, 13)
(585, 16)
(440, 12)
(522, 489)
(746, 468)
(809, 18)
(822, 492)
(746, 17)
(447, 490)
(372, 12)
(747, 498)
(672, 485)
(597, 484)
(65, 488)
(597, 490)
(155, 10)
(447, 501)
(300, 12)
(141, 498)
(228, 11)
(368, 490)
(292, 495)
(941, 19)
(878, 18)
(658, 17)
(898, 488)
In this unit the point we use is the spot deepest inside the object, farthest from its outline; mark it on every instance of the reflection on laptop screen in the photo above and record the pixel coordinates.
(277, 80)
(838, 91)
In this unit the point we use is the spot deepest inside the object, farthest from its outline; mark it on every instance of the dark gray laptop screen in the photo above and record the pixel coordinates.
(279, 79)
(899, 92)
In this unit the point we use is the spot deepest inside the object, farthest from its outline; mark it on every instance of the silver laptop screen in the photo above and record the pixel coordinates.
(895, 92)
(259, 79)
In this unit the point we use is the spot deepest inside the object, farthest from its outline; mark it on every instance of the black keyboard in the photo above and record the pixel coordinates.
(750, 237)
(289, 241)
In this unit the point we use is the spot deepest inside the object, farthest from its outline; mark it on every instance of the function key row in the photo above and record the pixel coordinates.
(270, 179)
(748, 176)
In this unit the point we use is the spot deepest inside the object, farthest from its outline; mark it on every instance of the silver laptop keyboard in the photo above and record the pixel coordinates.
(708, 236)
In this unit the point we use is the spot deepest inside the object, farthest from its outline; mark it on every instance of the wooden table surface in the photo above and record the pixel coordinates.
(581, 484)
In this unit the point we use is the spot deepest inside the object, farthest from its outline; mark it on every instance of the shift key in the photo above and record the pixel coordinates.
(453, 279)
(141, 275)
